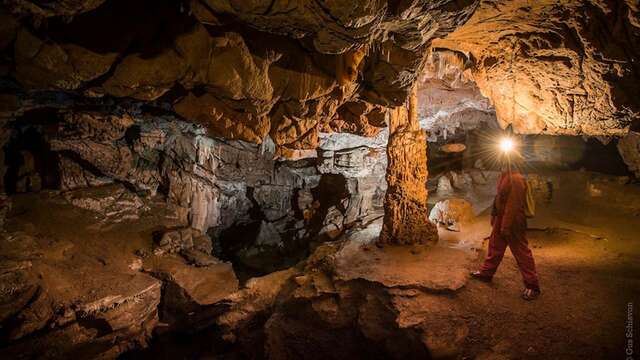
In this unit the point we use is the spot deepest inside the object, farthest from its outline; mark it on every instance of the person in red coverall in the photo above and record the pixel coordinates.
(509, 225)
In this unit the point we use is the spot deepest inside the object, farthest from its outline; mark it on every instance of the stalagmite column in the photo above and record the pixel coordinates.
(405, 204)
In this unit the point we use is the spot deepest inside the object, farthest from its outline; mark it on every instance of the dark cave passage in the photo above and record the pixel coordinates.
(31, 165)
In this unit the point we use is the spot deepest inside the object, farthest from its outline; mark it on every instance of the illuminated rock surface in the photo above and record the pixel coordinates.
(546, 69)
(405, 205)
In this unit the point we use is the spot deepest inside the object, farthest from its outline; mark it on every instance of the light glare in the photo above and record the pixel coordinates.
(506, 145)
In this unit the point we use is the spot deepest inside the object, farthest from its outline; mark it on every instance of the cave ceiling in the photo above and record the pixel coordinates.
(290, 70)
(557, 67)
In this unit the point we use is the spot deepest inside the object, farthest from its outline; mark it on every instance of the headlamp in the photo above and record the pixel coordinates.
(506, 144)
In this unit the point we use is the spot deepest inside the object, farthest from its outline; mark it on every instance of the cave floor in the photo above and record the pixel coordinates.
(587, 281)
(586, 253)
(581, 313)
(587, 256)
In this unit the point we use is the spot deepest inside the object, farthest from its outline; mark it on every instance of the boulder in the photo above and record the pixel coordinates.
(192, 293)
(452, 212)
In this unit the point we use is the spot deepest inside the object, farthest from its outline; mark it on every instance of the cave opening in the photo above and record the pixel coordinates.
(261, 245)
(31, 165)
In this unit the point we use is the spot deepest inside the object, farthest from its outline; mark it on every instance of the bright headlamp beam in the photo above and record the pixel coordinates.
(506, 144)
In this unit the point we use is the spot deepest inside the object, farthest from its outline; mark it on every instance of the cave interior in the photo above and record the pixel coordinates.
(232, 179)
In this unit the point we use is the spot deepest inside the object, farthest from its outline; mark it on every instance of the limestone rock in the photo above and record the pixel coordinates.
(181, 240)
(222, 119)
(405, 218)
(451, 212)
(460, 180)
(111, 203)
(444, 185)
(191, 292)
(199, 258)
(358, 118)
(146, 79)
(74, 176)
(571, 80)
(258, 295)
(126, 304)
(379, 265)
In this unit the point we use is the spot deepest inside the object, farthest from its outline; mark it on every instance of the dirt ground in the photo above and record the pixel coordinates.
(587, 250)
(581, 313)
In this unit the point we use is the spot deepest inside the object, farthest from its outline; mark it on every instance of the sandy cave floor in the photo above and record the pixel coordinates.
(580, 315)
(585, 243)
(587, 256)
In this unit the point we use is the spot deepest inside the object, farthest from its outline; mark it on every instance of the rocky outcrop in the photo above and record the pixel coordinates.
(546, 68)
(451, 212)
(191, 294)
(40, 64)
(350, 298)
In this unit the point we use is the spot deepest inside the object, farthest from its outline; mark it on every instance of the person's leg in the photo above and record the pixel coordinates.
(520, 250)
(495, 253)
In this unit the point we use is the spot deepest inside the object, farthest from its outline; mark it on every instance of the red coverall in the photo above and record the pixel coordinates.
(509, 226)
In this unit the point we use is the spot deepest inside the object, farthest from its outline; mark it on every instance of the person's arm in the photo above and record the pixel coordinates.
(497, 200)
(494, 212)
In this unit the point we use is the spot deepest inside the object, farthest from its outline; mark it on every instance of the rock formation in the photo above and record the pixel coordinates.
(406, 210)
(546, 68)
(226, 139)
(243, 71)
(449, 101)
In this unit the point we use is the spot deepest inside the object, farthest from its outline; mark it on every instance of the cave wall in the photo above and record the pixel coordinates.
(284, 73)
(557, 67)
(213, 184)
(266, 79)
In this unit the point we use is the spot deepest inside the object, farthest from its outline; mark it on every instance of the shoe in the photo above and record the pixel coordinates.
(530, 294)
(477, 275)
